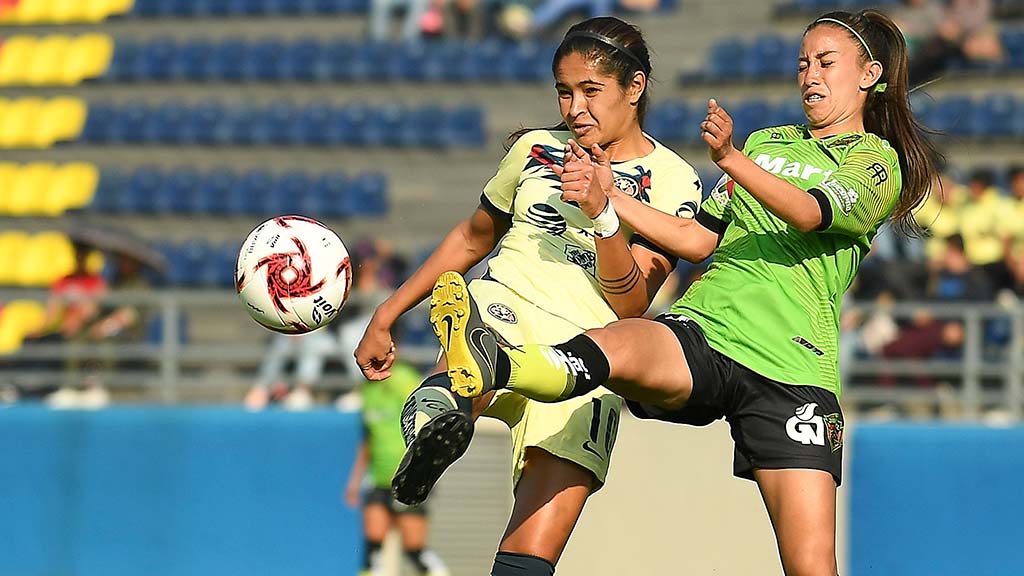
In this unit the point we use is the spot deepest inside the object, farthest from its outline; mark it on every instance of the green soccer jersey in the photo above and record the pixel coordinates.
(770, 298)
(382, 413)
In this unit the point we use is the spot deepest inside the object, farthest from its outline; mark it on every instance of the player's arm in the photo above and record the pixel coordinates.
(794, 206)
(355, 477)
(685, 238)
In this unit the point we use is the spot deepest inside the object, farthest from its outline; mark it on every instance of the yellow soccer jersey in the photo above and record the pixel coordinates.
(548, 255)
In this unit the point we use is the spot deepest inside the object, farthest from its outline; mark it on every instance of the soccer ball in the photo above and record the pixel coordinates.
(293, 274)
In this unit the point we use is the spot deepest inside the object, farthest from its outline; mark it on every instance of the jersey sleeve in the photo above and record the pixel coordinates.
(861, 193)
(500, 190)
(714, 213)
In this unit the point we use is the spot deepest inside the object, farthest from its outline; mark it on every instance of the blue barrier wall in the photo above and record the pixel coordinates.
(176, 492)
(936, 500)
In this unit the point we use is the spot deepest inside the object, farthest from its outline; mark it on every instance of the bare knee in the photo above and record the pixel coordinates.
(811, 563)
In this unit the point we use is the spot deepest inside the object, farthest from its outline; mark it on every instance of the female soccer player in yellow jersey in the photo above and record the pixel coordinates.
(563, 265)
(755, 340)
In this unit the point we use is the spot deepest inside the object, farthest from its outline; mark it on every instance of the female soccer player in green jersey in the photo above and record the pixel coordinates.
(756, 339)
(563, 265)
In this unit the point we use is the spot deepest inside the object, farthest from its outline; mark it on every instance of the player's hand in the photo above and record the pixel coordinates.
(587, 178)
(716, 131)
(376, 352)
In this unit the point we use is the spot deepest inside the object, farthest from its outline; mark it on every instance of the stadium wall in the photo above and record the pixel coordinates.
(222, 491)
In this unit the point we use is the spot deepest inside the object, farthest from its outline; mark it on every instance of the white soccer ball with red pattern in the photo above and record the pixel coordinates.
(293, 274)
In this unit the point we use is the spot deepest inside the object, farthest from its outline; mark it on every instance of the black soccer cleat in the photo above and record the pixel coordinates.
(440, 441)
(470, 347)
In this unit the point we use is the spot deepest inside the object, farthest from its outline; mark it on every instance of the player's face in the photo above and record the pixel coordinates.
(834, 80)
(593, 104)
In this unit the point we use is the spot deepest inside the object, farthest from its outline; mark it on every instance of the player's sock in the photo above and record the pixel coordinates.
(513, 564)
(555, 373)
(371, 556)
(427, 562)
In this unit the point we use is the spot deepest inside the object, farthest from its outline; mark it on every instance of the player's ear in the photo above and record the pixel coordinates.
(872, 74)
(636, 87)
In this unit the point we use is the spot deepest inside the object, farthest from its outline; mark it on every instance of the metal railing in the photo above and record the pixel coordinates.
(170, 363)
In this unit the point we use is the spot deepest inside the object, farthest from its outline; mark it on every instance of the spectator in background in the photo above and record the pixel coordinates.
(1015, 216)
(379, 454)
(984, 226)
(309, 352)
(75, 315)
(414, 11)
(940, 33)
(939, 215)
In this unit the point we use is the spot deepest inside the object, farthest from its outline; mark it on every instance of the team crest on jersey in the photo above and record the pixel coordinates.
(502, 312)
(637, 185)
(581, 257)
(547, 218)
(542, 158)
(844, 141)
(723, 190)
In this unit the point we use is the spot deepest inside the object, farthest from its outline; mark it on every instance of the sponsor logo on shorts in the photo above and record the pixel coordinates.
(805, 426)
(502, 312)
(834, 430)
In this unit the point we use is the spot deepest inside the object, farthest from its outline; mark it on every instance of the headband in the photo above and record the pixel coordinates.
(610, 42)
(879, 87)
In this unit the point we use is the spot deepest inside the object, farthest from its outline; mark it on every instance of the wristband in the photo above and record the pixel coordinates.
(606, 224)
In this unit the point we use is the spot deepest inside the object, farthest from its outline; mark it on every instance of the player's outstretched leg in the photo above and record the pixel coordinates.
(437, 428)
(469, 345)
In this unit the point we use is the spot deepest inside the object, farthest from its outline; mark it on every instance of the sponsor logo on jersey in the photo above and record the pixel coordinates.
(542, 158)
(547, 218)
(878, 173)
(502, 312)
(723, 190)
(783, 167)
(805, 426)
(581, 257)
(637, 185)
(803, 342)
(844, 198)
(834, 430)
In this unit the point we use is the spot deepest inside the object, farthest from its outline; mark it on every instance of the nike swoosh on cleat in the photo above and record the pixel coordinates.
(448, 322)
(476, 338)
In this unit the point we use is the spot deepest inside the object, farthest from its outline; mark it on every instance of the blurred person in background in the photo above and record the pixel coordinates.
(561, 267)
(413, 19)
(1015, 218)
(940, 33)
(308, 352)
(379, 454)
(940, 214)
(985, 225)
(755, 341)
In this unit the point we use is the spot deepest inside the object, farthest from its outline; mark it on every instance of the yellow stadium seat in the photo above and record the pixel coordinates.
(69, 11)
(8, 172)
(48, 257)
(15, 60)
(48, 60)
(34, 12)
(73, 186)
(88, 58)
(19, 122)
(61, 119)
(116, 7)
(30, 190)
(12, 252)
(18, 319)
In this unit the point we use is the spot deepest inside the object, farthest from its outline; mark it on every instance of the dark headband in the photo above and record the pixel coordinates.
(610, 42)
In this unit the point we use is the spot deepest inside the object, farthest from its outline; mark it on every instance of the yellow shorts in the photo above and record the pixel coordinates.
(581, 430)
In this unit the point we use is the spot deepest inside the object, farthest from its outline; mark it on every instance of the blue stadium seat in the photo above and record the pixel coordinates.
(163, 124)
(450, 62)
(338, 57)
(410, 60)
(194, 59)
(157, 59)
(238, 125)
(98, 121)
(750, 116)
(485, 59)
(201, 123)
(278, 119)
(174, 191)
(291, 190)
(254, 187)
(303, 60)
(367, 196)
(994, 116)
(148, 7)
(214, 193)
(310, 126)
(727, 57)
(423, 127)
(264, 60)
(1013, 44)
(790, 111)
(328, 190)
(124, 64)
(669, 122)
(126, 125)
(951, 114)
(767, 57)
(227, 60)
(108, 191)
(465, 127)
(371, 61)
(191, 257)
(137, 196)
(383, 125)
(348, 124)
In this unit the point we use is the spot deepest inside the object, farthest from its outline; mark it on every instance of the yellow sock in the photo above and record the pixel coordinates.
(541, 372)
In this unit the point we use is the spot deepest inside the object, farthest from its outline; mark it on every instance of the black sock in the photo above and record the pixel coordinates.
(513, 564)
(370, 553)
(443, 381)
(414, 556)
(429, 399)
(502, 369)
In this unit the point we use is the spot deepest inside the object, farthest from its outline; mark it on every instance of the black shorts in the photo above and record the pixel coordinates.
(774, 425)
(383, 496)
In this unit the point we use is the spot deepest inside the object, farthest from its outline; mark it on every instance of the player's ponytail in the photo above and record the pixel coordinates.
(617, 48)
(887, 110)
